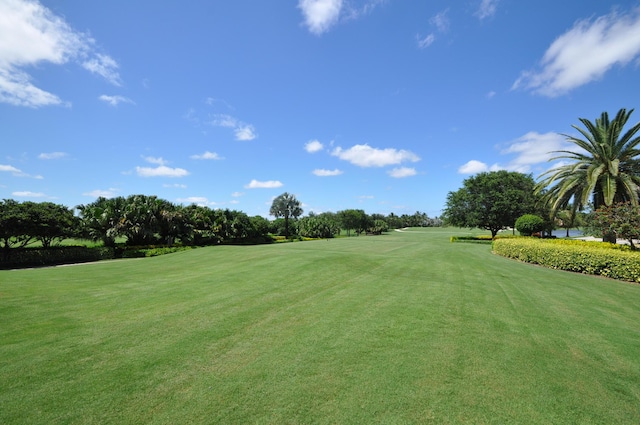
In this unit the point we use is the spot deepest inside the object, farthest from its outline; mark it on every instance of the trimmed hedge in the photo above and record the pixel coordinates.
(598, 258)
(479, 238)
(152, 251)
(38, 257)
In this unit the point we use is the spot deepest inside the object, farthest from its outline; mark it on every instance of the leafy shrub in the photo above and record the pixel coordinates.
(599, 258)
(529, 224)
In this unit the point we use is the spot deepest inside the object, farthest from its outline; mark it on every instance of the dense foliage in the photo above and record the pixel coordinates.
(141, 221)
(621, 219)
(597, 258)
(491, 201)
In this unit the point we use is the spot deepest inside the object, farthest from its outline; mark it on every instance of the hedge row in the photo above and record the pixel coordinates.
(37, 257)
(598, 258)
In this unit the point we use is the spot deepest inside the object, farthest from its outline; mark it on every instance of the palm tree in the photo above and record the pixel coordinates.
(286, 205)
(604, 167)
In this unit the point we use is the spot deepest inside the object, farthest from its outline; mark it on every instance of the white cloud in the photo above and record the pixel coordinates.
(31, 34)
(534, 148)
(270, 184)
(28, 194)
(320, 15)
(237, 194)
(487, 9)
(207, 155)
(585, 53)
(473, 167)
(531, 149)
(241, 130)
(115, 100)
(245, 132)
(109, 193)
(402, 172)
(52, 155)
(10, 169)
(175, 186)
(327, 173)
(161, 171)
(313, 146)
(366, 156)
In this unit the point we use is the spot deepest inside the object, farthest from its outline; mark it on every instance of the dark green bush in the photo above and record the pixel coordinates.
(529, 224)
(599, 258)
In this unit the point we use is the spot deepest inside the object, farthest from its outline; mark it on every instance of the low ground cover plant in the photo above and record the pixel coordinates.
(598, 258)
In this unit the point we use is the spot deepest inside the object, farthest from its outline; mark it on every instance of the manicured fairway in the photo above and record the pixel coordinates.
(401, 328)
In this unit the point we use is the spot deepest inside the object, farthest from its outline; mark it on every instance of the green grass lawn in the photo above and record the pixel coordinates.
(397, 329)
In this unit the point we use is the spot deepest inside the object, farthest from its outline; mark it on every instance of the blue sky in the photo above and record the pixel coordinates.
(383, 105)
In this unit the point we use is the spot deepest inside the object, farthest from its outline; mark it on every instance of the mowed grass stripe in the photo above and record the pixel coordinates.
(400, 328)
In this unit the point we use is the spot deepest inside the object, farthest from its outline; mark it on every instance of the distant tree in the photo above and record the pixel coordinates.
(491, 201)
(378, 226)
(318, 226)
(352, 219)
(568, 219)
(286, 206)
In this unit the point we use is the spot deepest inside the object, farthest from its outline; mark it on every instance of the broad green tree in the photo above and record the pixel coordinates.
(491, 200)
(604, 166)
(286, 206)
(51, 222)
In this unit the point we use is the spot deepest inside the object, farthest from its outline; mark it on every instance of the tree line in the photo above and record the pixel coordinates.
(598, 184)
(142, 220)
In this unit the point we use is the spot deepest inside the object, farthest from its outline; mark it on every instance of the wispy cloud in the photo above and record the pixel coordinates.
(155, 160)
(402, 172)
(161, 171)
(585, 53)
(241, 130)
(441, 23)
(115, 100)
(36, 36)
(313, 146)
(366, 156)
(487, 9)
(207, 155)
(108, 193)
(17, 172)
(52, 155)
(531, 149)
(198, 200)
(28, 194)
(327, 173)
(270, 184)
(426, 41)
